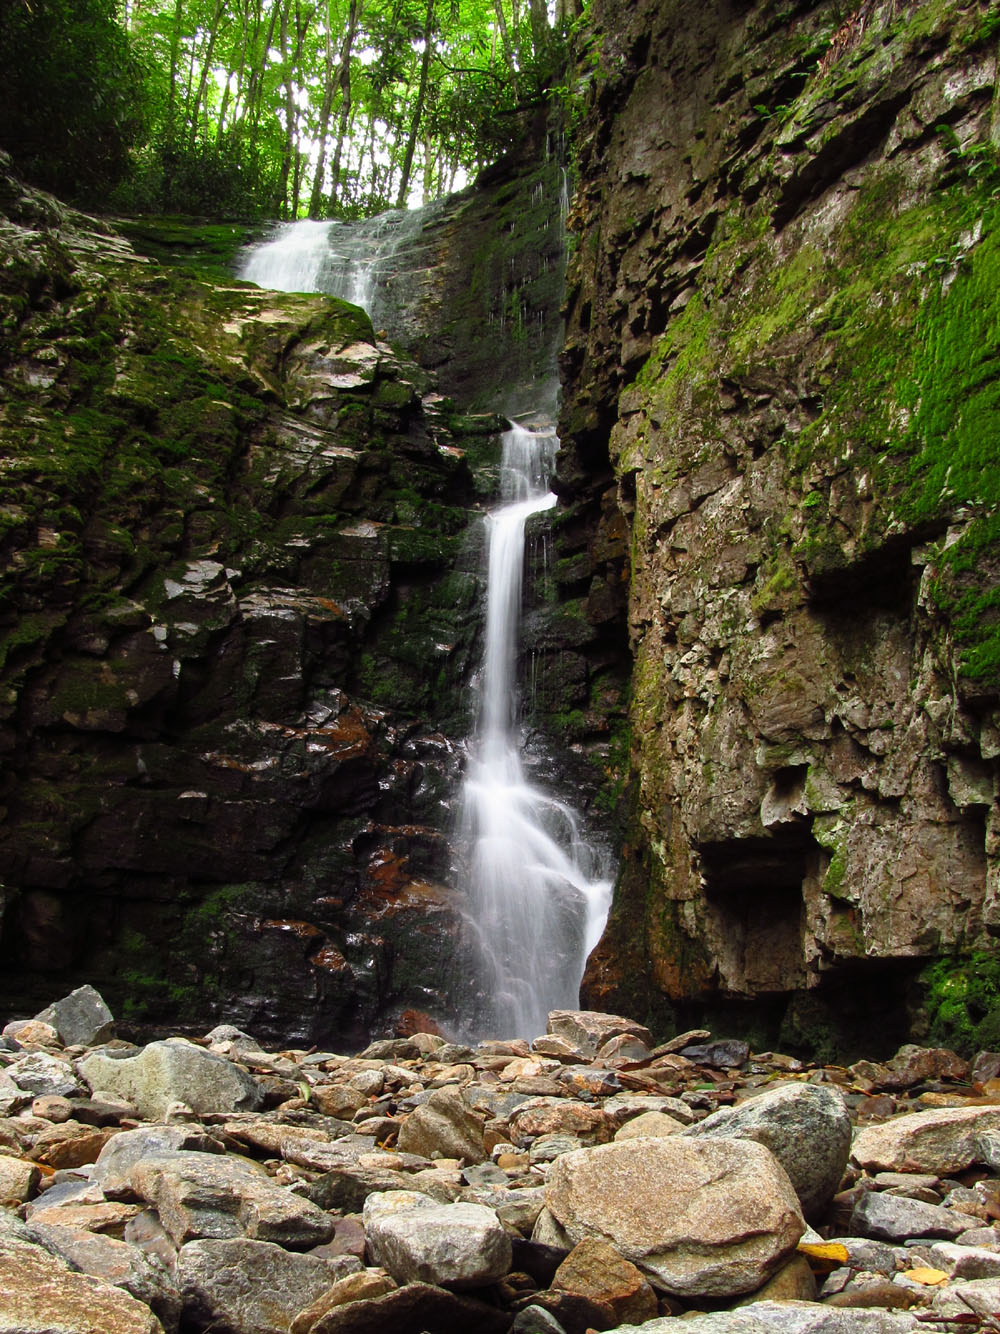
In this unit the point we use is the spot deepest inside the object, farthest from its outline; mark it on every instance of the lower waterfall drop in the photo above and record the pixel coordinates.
(538, 893)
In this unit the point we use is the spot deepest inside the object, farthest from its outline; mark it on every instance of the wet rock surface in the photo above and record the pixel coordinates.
(814, 694)
(288, 1219)
(238, 611)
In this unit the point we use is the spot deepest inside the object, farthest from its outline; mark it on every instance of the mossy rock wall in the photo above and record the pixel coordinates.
(239, 568)
(782, 339)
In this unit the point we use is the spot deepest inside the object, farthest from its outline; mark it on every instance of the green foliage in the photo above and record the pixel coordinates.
(962, 1000)
(71, 105)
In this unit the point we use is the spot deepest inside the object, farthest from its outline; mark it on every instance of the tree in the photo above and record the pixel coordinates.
(71, 105)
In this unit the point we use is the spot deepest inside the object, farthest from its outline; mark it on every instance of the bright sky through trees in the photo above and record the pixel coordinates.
(279, 107)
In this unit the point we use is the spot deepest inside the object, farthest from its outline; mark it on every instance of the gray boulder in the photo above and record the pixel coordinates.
(453, 1245)
(173, 1071)
(806, 1127)
(219, 1197)
(81, 1018)
(444, 1126)
(896, 1218)
(782, 1318)
(248, 1287)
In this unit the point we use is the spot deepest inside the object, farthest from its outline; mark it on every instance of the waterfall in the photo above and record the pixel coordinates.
(537, 893)
(292, 260)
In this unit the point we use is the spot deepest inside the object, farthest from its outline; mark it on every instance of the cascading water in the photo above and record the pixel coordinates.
(537, 892)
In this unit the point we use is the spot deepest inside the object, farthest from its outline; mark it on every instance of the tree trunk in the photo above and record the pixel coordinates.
(418, 109)
(344, 84)
(205, 71)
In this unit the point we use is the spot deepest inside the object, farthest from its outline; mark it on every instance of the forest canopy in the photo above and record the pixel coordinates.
(279, 108)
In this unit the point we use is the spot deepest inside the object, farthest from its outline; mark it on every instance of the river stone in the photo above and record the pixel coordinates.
(128, 1147)
(781, 1318)
(452, 1245)
(445, 1126)
(700, 1217)
(81, 1018)
(173, 1071)
(942, 1141)
(219, 1197)
(981, 1297)
(143, 1276)
(588, 1030)
(248, 1287)
(414, 1309)
(650, 1125)
(18, 1179)
(896, 1218)
(806, 1127)
(363, 1286)
(596, 1270)
(550, 1116)
(41, 1295)
(42, 1074)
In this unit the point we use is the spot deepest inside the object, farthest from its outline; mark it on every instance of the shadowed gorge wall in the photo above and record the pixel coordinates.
(783, 337)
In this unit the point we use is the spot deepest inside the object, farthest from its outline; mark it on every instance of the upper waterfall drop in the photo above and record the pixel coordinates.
(536, 891)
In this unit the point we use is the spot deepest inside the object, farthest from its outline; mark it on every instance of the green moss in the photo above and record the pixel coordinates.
(961, 997)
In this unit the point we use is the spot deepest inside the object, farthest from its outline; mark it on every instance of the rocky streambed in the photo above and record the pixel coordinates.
(587, 1180)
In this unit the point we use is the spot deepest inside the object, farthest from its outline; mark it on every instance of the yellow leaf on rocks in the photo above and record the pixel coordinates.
(929, 1277)
(823, 1256)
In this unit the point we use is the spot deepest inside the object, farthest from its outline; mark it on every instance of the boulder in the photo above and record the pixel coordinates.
(550, 1116)
(700, 1217)
(363, 1286)
(173, 1071)
(806, 1127)
(587, 1031)
(124, 1266)
(454, 1245)
(942, 1141)
(40, 1294)
(128, 1147)
(81, 1018)
(248, 1287)
(445, 1126)
(203, 1195)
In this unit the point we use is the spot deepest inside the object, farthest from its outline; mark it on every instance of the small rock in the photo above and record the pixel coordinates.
(42, 1074)
(596, 1270)
(655, 1125)
(895, 1218)
(18, 1179)
(725, 1054)
(31, 1033)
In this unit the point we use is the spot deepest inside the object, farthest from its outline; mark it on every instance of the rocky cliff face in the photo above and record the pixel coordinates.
(782, 337)
(239, 612)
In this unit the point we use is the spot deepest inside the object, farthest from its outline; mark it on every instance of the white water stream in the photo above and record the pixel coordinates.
(537, 892)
